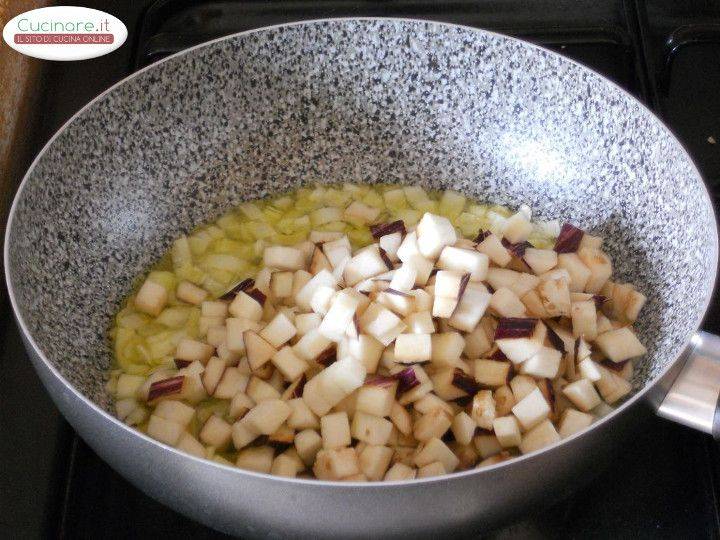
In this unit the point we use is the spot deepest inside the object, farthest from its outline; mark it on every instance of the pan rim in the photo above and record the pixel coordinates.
(308, 483)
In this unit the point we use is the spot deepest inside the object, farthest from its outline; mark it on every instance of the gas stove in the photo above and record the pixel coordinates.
(664, 484)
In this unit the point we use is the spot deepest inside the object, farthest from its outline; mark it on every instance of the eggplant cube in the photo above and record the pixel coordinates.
(398, 472)
(496, 252)
(216, 432)
(339, 316)
(301, 416)
(448, 284)
(278, 331)
(579, 273)
(258, 459)
(573, 421)
(612, 387)
(507, 431)
(376, 400)
(311, 345)
(483, 409)
(479, 340)
(335, 430)
(464, 261)
(447, 347)
(267, 417)
(365, 264)
(213, 373)
(281, 285)
(239, 405)
(506, 303)
(190, 293)
(619, 345)
(431, 469)
(542, 435)
(532, 409)
(381, 323)
(283, 258)
(555, 296)
(151, 298)
(543, 364)
(259, 390)
(492, 372)
(308, 443)
(189, 444)
(401, 418)
(540, 260)
(245, 306)
(411, 348)
(284, 465)
(519, 349)
(163, 430)
(471, 307)
(304, 296)
(433, 424)
(231, 382)
(444, 307)
(504, 400)
(304, 322)
(371, 429)
(487, 445)
(192, 350)
(420, 322)
(435, 450)
(175, 411)
(374, 461)
(599, 265)
(391, 243)
(289, 364)
(433, 234)
(257, 349)
(582, 394)
(517, 228)
(243, 434)
(235, 329)
(463, 428)
(367, 350)
(403, 279)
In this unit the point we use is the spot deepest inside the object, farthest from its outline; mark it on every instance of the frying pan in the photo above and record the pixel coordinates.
(356, 100)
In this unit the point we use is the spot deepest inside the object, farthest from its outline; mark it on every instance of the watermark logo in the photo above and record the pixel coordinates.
(65, 33)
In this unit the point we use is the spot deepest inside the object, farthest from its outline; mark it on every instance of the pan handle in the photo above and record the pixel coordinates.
(693, 398)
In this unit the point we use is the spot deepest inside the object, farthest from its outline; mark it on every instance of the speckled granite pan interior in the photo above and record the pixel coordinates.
(357, 101)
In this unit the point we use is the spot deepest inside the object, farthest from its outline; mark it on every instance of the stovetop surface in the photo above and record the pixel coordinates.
(663, 484)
